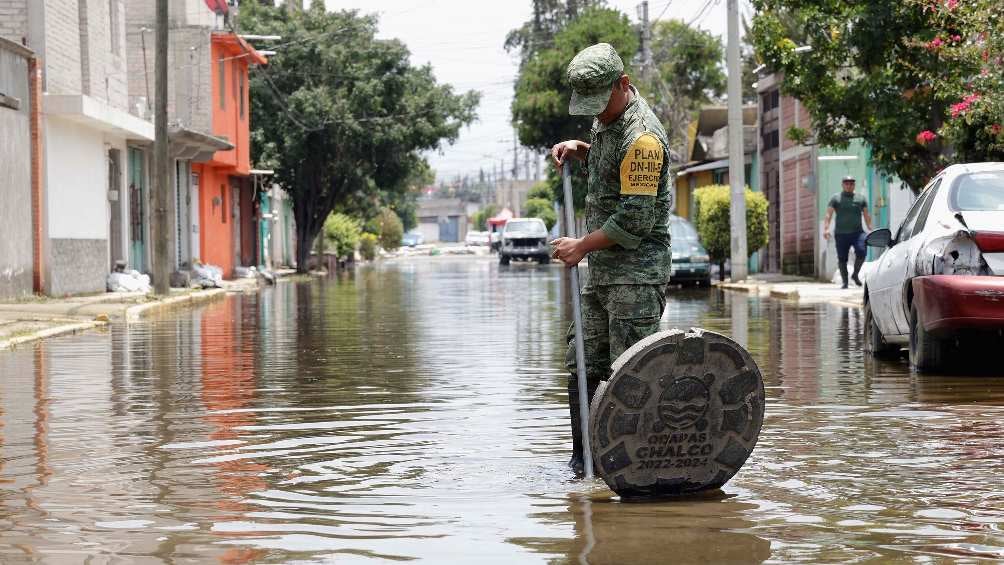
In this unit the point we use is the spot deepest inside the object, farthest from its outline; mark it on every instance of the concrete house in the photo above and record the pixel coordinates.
(88, 131)
(707, 159)
(442, 220)
(213, 206)
(276, 228)
(799, 180)
(20, 178)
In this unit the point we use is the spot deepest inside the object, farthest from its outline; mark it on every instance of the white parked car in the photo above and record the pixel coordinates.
(940, 278)
(476, 238)
(526, 239)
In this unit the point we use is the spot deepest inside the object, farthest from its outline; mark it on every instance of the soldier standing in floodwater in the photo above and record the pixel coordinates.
(627, 209)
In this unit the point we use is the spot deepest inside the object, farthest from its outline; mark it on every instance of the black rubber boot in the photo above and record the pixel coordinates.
(858, 261)
(576, 463)
(843, 272)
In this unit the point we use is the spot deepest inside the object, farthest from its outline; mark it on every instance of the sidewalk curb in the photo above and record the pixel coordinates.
(51, 332)
(136, 313)
(786, 292)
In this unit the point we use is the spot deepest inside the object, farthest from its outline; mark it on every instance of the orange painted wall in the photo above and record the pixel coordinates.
(231, 121)
(215, 220)
(232, 118)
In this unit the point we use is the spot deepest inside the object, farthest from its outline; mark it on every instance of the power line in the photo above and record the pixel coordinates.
(701, 14)
(662, 13)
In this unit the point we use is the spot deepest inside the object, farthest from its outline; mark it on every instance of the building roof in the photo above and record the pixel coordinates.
(237, 47)
(195, 145)
(710, 120)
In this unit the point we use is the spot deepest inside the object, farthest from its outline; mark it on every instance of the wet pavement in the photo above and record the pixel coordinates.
(416, 410)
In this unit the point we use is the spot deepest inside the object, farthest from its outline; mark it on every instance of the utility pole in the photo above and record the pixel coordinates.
(160, 228)
(646, 41)
(515, 155)
(737, 161)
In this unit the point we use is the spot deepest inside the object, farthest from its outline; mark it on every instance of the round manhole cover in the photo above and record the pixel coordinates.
(680, 414)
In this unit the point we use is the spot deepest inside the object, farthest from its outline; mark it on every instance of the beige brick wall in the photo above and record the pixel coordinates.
(14, 20)
(73, 38)
(102, 48)
(62, 46)
(188, 62)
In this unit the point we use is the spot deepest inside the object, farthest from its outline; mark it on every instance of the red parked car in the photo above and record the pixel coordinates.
(940, 280)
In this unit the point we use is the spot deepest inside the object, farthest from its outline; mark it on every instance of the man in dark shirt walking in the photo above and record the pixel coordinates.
(849, 208)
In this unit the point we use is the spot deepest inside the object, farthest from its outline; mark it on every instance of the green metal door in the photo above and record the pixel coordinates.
(137, 209)
(265, 229)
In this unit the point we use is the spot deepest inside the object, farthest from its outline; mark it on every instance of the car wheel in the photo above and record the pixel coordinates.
(874, 340)
(544, 260)
(927, 352)
(706, 282)
(503, 259)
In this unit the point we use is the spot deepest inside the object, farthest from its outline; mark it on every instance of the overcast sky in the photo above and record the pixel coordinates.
(463, 41)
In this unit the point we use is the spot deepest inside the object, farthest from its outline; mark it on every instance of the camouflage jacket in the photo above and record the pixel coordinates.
(629, 197)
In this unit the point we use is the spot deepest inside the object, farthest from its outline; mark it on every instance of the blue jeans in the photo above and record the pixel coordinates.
(847, 240)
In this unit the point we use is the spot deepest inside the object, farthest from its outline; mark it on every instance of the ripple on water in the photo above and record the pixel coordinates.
(415, 410)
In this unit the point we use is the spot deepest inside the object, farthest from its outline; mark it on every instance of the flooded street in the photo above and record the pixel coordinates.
(416, 410)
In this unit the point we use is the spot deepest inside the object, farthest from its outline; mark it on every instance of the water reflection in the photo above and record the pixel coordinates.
(416, 410)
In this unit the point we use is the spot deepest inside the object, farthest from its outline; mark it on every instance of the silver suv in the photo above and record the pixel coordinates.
(526, 239)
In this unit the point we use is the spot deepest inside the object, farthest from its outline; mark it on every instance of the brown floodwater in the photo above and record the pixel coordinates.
(416, 411)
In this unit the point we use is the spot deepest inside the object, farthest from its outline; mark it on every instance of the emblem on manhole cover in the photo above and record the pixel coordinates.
(680, 414)
(683, 403)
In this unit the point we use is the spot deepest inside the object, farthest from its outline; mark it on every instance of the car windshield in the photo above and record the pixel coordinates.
(680, 230)
(980, 191)
(535, 229)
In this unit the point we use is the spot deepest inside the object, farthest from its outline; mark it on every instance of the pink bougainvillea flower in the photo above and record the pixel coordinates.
(935, 44)
(951, 4)
(996, 129)
(926, 136)
(963, 107)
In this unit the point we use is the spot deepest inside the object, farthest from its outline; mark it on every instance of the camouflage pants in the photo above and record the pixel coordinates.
(614, 317)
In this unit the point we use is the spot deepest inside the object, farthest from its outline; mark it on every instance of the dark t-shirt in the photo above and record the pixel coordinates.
(848, 208)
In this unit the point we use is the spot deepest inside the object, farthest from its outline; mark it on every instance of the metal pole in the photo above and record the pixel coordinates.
(161, 164)
(580, 348)
(646, 42)
(737, 161)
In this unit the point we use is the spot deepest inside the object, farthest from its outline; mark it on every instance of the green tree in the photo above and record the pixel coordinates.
(342, 116)
(368, 246)
(549, 17)
(713, 223)
(869, 74)
(968, 35)
(543, 209)
(480, 218)
(390, 229)
(341, 234)
(540, 104)
(541, 190)
(688, 74)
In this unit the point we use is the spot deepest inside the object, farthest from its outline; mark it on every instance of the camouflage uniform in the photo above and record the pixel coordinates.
(629, 198)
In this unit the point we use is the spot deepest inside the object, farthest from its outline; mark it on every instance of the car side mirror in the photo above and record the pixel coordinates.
(879, 238)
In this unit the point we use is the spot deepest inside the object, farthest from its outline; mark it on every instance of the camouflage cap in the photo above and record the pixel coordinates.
(591, 74)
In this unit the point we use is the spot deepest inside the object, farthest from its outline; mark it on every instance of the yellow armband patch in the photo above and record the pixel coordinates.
(642, 166)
